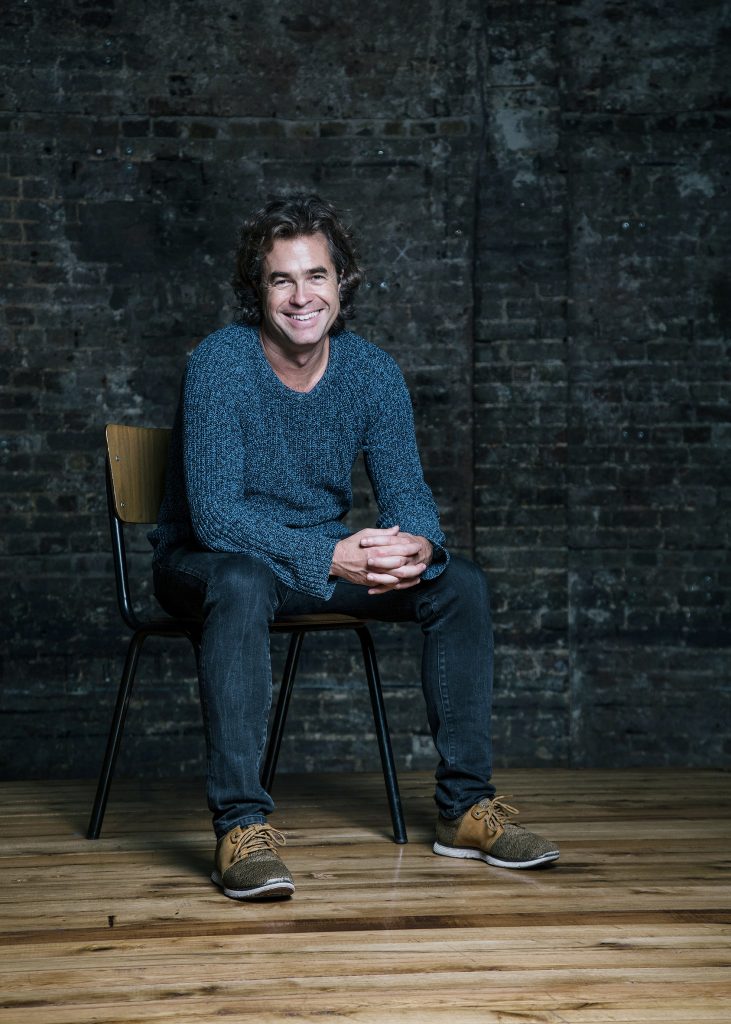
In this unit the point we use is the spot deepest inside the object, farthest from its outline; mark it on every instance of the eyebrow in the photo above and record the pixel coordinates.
(312, 270)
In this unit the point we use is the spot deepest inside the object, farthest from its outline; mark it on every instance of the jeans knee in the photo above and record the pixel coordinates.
(460, 595)
(242, 580)
(468, 581)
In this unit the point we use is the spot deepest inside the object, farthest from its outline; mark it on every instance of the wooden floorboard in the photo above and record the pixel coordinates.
(632, 925)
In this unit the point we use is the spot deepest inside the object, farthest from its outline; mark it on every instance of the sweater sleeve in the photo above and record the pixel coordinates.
(394, 467)
(222, 519)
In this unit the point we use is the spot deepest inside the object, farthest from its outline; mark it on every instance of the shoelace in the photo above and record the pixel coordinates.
(254, 838)
(497, 813)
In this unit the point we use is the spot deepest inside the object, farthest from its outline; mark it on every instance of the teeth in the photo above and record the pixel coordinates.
(303, 316)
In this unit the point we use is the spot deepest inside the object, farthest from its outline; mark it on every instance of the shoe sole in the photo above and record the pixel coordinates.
(276, 888)
(464, 853)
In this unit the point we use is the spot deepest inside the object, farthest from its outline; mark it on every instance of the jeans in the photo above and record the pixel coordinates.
(236, 596)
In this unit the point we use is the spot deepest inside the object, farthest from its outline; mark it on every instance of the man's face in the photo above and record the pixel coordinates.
(300, 298)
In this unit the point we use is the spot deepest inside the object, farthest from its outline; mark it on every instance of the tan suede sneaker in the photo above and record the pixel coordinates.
(248, 865)
(485, 833)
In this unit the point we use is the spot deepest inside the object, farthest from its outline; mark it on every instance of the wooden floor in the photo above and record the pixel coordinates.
(631, 925)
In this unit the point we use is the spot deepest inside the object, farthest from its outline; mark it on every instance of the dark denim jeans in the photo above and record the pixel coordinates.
(236, 597)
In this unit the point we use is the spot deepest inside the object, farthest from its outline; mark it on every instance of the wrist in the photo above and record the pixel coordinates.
(427, 552)
(335, 561)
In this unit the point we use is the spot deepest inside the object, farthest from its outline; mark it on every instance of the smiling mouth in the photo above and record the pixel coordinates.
(303, 317)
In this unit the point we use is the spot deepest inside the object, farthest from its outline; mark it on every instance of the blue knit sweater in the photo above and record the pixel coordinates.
(259, 468)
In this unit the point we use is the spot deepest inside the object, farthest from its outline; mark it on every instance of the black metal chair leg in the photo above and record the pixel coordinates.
(280, 715)
(384, 741)
(115, 735)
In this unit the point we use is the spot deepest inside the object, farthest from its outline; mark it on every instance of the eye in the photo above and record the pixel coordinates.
(280, 283)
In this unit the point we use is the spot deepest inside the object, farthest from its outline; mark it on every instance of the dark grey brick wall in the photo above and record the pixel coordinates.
(650, 386)
(541, 194)
(602, 378)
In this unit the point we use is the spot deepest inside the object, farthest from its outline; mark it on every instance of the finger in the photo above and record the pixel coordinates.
(392, 549)
(385, 532)
(398, 586)
(375, 577)
(391, 582)
(384, 589)
(389, 536)
(408, 571)
(384, 562)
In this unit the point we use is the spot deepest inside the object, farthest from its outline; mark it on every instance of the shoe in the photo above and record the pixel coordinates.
(248, 865)
(485, 833)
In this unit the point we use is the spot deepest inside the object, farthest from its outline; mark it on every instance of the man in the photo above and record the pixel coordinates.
(274, 411)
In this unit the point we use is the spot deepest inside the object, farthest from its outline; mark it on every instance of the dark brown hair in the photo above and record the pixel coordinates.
(291, 216)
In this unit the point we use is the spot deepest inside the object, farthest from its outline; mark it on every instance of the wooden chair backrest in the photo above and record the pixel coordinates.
(137, 460)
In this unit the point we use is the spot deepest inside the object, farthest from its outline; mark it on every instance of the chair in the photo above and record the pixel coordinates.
(135, 473)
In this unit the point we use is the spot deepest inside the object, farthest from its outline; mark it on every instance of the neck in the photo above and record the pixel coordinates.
(300, 369)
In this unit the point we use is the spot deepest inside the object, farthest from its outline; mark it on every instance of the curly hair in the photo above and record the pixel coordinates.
(290, 216)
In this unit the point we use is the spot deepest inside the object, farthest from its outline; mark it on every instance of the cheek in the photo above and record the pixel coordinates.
(271, 309)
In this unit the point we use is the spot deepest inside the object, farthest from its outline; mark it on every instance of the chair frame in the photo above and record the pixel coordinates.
(296, 626)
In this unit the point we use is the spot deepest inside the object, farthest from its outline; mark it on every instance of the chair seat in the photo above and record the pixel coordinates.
(284, 623)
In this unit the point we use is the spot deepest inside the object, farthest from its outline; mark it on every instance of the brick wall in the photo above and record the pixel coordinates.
(540, 192)
(602, 378)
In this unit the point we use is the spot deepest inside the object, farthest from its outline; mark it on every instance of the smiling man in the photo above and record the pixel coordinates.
(275, 409)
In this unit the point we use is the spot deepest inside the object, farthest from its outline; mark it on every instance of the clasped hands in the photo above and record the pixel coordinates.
(382, 560)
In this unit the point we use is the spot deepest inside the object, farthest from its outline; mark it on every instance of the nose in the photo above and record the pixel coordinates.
(300, 294)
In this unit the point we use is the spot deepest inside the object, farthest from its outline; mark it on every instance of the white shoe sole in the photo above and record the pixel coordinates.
(464, 853)
(275, 888)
